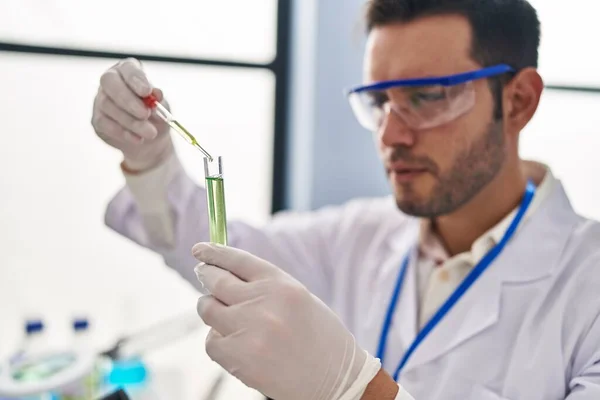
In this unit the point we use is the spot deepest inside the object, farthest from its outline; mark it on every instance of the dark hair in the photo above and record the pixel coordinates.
(503, 31)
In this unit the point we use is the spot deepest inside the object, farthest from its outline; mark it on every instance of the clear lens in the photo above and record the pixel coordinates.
(420, 107)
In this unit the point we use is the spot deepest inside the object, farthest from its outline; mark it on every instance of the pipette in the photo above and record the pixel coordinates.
(152, 102)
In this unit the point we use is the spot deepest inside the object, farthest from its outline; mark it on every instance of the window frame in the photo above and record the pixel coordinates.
(279, 66)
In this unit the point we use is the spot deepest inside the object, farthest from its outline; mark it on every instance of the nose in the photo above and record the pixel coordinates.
(394, 132)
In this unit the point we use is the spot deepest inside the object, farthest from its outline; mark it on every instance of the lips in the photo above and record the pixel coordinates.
(408, 170)
(403, 173)
(405, 168)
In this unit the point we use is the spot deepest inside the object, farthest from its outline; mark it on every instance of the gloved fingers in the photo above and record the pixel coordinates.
(219, 349)
(217, 315)
(242, 357)
(213, 335)
(131, 71)
(158, 94)
(222, 284)
(141, 127)
(241, 263)
(134, 77)
(111, 132)
(114, 86)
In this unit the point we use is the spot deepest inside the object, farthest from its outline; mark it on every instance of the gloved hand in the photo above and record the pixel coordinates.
(270, 332)
(121, 119)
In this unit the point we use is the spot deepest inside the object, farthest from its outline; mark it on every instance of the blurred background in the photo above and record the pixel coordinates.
(259, 82)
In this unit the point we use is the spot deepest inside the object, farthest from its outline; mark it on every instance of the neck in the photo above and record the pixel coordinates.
(460, 229)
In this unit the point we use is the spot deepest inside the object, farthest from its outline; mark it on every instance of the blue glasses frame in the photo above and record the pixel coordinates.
(449, 80)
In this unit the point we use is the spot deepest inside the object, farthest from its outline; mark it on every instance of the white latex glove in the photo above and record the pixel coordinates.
(270, 332)
(121, 119)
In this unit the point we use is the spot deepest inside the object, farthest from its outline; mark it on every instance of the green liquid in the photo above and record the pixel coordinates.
(217, 219)
(191, 139)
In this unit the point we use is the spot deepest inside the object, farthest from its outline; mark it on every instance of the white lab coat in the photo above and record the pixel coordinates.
(528, 329)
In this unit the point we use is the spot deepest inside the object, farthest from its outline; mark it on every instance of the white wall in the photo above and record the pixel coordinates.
(564, 133)
(326, 144)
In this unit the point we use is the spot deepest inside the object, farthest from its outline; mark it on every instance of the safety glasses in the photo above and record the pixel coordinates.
(421, 103)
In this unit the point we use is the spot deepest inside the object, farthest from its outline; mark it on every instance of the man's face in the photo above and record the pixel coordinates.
(434, 171)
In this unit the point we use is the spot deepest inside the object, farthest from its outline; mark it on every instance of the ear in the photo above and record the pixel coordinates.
(521, 98)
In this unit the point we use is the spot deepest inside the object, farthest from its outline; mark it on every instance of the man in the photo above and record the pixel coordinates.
(476, 281)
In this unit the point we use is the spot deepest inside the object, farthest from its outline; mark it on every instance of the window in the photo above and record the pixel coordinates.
(564, 135)
(236, 30)
(226, 79)
(567, 50)
(564, 131)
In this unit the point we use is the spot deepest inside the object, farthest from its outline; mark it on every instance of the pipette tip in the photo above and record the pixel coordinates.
(208, 156)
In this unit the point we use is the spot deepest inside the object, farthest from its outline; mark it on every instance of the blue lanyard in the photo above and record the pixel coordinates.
(456, 295)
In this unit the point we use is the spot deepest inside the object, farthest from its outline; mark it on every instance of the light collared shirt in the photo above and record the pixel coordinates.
(438, 274)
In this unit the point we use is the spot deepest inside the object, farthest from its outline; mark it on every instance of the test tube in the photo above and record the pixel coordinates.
(215, 193)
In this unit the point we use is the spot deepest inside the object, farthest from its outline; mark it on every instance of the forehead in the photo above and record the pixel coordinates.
(429, 46)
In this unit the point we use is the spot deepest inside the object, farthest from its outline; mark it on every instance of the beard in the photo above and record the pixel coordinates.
(472, 170)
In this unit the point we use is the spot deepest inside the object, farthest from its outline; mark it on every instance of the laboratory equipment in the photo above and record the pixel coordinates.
(127, 373)
(75, 372)
(44, 373)
(127, 368)
(118, 395)
(81, 333)
(34, 371)
(421, 103)
(33, 341)
(217, 222)
(134, 346)
(152, 102)
(86, 387)
(215, 193)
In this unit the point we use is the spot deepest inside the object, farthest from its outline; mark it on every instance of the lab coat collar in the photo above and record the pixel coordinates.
(432, 247)
(530, 256)
(543, 191)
